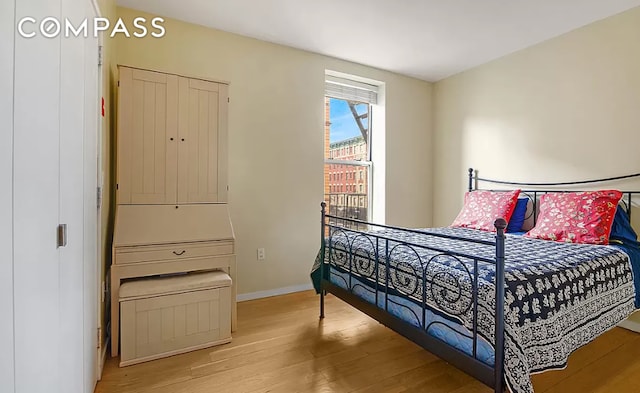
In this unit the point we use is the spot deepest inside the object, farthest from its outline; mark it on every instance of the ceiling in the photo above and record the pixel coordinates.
(426, 39)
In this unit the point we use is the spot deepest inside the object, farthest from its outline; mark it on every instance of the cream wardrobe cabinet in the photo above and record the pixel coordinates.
(172, 139)
(172, 215)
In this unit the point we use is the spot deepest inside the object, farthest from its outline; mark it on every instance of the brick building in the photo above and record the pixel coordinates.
(346, 185)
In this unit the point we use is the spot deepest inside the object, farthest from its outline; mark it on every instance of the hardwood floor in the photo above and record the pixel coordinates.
(281, 346)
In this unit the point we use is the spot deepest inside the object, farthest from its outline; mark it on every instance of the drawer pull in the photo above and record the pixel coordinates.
(179, 253)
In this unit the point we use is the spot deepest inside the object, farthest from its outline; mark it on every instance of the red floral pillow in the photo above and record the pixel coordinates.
(482, 208)
(576, 217)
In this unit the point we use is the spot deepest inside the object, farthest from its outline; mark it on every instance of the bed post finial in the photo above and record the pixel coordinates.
(500, 225)
(470, 179)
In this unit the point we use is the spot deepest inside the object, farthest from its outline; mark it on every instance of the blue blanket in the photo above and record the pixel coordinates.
(625, 238)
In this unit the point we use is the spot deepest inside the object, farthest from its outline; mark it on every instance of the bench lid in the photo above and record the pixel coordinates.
(154, 286)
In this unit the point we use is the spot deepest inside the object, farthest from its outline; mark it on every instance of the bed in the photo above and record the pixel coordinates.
(436, 286)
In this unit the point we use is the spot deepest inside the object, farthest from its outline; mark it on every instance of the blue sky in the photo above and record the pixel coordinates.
(343, 125)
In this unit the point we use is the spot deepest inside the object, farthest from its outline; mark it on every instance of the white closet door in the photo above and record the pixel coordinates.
(54, 174)
(7, 24)
(202, 149)
(36, 204)
(70, 276)
(78, 204)
(147, 137)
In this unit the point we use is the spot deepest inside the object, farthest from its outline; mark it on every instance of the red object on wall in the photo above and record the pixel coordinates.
(102, 106)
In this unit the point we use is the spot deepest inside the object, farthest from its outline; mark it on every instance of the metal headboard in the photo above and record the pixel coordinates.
(534, 192)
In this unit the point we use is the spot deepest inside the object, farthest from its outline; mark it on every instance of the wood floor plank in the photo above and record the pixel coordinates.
(581, 358)
(282, 346)
(410, 379)
(618, 371)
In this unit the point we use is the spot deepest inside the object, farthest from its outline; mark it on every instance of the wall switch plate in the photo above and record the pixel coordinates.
(261, 254)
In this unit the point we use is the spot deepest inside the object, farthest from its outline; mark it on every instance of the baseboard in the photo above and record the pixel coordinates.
(104, 359)
(630, 325)
(243, 297)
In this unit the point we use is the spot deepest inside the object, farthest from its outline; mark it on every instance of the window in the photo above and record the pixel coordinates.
(348, 108)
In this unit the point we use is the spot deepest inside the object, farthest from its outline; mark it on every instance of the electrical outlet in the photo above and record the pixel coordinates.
(261, 254)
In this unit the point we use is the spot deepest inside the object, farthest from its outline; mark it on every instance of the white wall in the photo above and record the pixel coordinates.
(6, 194)
(276, 141)
(566, 109)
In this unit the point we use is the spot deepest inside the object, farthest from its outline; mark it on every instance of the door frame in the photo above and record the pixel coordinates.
(102, 347)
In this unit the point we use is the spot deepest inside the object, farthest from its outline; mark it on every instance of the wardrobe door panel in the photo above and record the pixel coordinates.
(223, 143)
(147, 137)
(200, 163)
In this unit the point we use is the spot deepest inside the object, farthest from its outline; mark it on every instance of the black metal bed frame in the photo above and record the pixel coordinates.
(358, 260)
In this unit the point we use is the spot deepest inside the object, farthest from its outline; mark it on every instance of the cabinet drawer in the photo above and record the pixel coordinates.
(172, 252)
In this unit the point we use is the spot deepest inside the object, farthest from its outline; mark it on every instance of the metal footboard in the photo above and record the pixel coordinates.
(445, 281)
